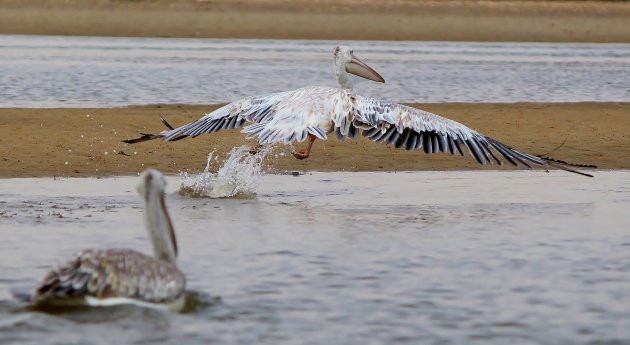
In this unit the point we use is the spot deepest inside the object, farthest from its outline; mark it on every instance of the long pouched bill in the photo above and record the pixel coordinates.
(361, 69)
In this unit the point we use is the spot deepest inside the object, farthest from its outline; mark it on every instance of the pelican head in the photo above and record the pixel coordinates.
(346, 62)
(151, 188)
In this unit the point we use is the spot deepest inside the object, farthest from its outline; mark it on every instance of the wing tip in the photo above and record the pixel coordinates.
(554, 164)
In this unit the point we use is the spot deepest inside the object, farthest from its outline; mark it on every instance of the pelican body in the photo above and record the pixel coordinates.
(106, 277)
(315, 112)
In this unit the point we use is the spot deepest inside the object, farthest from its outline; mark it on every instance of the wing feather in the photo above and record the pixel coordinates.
(428, 143)
(302, 112)
(293, 115)
(232, 115)
(112, 273)
(413, 128)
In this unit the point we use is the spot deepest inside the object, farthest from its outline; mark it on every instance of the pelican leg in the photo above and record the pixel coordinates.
(305, 153)
(255, 149)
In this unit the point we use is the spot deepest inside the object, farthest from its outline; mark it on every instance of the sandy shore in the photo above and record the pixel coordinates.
(459, 20)
(87, 142)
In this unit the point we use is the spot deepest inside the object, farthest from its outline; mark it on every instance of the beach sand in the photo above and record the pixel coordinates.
(87, 142)
(451, 20)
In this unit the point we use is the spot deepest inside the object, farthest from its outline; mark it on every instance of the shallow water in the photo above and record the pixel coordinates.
(363, 258)
(62, 71)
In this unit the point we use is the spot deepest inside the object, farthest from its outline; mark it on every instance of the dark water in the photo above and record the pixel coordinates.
(49, 71)
(344, 258)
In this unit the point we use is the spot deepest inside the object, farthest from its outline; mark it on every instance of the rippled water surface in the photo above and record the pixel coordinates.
(357, 258)
(49, 71)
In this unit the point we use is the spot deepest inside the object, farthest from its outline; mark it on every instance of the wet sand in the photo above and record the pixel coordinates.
(453, 20)
(87, 142)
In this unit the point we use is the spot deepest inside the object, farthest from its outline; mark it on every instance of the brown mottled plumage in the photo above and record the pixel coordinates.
(102, 277)
(111, 273)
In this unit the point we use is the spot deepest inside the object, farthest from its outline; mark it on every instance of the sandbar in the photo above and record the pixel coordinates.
(88, 142)
(426, 20)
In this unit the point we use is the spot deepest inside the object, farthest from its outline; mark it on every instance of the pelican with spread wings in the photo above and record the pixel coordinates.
(314, 112)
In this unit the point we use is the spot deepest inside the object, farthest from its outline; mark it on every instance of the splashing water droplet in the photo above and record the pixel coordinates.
(238, 177)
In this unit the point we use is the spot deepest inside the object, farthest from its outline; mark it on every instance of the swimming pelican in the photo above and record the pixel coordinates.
(105, 277)
(314, 112)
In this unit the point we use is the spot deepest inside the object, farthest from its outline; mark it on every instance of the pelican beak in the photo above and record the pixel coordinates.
(359, 68)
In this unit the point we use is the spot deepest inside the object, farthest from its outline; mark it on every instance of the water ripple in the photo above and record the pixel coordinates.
(535, 262)
(62, 71)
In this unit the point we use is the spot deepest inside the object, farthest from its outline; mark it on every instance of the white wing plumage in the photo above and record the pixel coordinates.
(310, 110)
(412, 129)
(292, 115)
(279, 117)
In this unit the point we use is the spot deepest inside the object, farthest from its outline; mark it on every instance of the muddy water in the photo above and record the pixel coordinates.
(361, 258)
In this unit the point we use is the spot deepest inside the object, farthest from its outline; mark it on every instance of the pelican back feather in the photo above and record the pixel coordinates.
(112, 273)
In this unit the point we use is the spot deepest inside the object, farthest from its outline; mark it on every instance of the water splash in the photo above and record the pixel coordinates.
(237, 178)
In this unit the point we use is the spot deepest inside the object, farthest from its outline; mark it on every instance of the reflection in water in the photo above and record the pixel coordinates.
(519, 256)
(195, 302)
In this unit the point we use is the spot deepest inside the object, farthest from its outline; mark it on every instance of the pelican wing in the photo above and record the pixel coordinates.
(413, 129)
(232, 115)
(301, 112)
(112, 273)
(278, 118)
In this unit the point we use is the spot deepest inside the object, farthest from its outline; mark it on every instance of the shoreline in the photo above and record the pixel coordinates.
(83, 142)
(416, 20)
